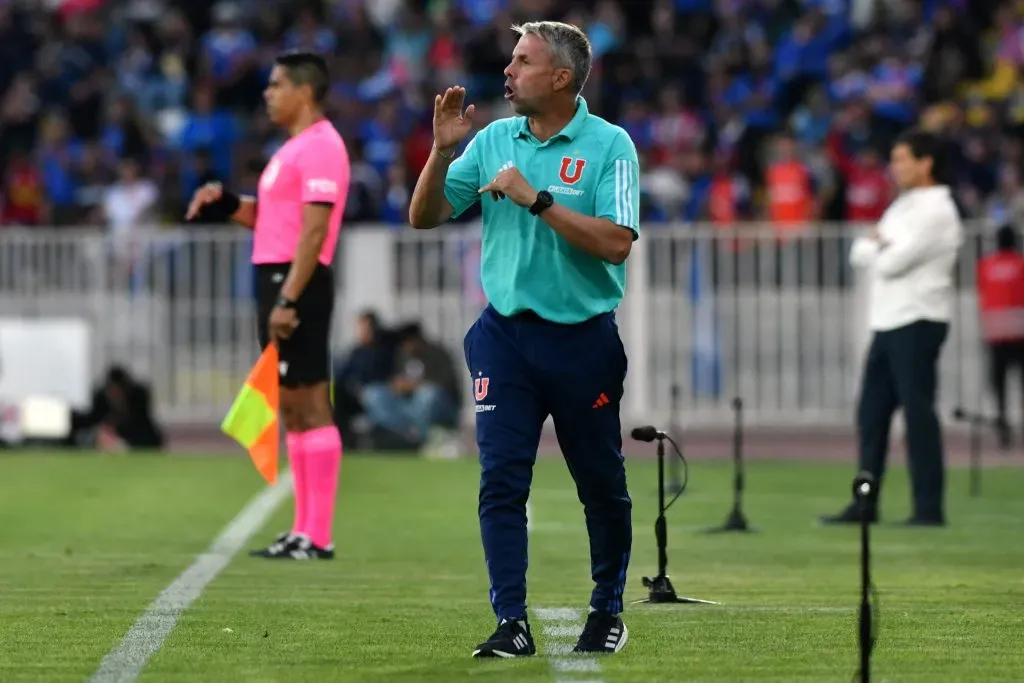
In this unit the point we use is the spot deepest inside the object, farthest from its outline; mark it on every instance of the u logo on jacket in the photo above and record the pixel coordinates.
(572, 170)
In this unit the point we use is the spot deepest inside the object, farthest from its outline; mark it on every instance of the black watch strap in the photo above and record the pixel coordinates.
(284, 302)
(544, 201)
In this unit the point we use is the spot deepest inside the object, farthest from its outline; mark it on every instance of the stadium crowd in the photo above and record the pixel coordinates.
(113, 112)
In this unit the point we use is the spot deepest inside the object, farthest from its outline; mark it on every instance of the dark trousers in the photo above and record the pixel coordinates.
(901, 370)
(1002, 356)
(523, 370)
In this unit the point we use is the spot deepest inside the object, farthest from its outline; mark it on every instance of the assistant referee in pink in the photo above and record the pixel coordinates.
(296, 218)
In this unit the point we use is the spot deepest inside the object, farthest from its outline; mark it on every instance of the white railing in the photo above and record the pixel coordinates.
(783, 320)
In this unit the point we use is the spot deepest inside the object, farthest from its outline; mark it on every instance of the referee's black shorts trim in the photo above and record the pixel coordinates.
(305, 356)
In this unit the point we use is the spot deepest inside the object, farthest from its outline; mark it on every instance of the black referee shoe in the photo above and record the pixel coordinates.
(290, 546)
(602, 633)
(275, 549)
(512, 639)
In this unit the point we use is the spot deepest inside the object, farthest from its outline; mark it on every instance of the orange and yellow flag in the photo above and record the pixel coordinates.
(252, 419)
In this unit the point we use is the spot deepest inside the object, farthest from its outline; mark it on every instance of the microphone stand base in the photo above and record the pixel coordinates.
(736, 521)
(662, 592)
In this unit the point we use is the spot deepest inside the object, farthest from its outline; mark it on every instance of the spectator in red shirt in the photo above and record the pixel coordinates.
(24, 198)
(677, 127)
(868, 190)
(1001, 303)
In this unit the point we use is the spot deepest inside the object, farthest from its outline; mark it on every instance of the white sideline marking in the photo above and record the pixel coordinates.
(589, 665)
(558, 614)
(126, 662)
(560, 648)
(562, 630)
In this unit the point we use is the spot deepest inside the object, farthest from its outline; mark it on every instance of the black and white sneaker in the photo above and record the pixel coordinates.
(512, 639)
(602, 633)
(289, 546)
(301, 548)
(275, 549)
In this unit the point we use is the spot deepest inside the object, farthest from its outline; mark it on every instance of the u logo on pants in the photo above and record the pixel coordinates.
(480, 387)
(525, 369)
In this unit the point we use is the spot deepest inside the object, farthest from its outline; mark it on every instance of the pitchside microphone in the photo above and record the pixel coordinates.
(647, 434)
(660, 587)
(863, 485)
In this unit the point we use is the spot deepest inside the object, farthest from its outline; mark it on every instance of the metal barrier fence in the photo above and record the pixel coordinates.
(709, 314)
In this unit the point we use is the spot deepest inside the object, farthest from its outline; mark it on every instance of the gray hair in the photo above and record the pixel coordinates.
(569, 46)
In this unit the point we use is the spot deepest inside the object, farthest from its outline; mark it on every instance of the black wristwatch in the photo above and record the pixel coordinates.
(543, 202)
(284, 302)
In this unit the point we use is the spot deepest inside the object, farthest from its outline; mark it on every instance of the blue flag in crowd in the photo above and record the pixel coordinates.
(705, 344)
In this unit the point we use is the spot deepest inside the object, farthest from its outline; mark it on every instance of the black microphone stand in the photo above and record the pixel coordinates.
(660, 587)
(975, 422)
(863, 488)
(675, 484)
(736, 521)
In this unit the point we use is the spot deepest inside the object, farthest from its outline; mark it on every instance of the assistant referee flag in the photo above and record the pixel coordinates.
(252, 419)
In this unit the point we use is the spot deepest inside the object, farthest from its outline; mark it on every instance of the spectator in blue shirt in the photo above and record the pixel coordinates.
(210, 128)
(383, 135)
(55, 157)
(229, 58)
(310, 35)
(812, 121)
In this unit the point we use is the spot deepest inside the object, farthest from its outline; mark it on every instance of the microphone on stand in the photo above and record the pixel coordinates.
(647, 434)
(660, 587)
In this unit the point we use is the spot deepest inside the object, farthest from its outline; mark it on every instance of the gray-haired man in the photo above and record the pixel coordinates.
(553, 270)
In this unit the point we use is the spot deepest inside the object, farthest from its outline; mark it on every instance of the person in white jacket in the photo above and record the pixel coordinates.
(909, 259)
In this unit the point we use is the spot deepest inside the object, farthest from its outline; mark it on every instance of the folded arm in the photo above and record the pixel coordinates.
(598, 237)
(916, 243)
(610, 234)
(864, 251)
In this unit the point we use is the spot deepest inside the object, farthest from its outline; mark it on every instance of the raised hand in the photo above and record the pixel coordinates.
(451, 123)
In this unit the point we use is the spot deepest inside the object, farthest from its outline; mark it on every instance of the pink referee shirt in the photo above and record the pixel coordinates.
(311, 167)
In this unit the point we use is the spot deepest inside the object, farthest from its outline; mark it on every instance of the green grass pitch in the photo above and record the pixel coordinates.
(87, 542)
